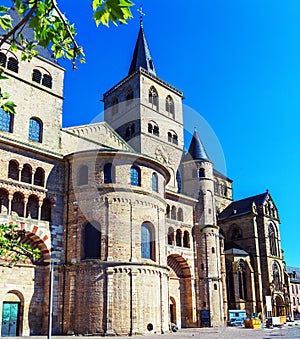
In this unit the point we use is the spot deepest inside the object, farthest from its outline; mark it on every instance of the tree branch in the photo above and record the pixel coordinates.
(22, 22)
(76, 47)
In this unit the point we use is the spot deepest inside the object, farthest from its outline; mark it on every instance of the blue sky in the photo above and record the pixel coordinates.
(238, 64)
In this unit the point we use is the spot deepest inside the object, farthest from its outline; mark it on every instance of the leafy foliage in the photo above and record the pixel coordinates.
(12, 246)
(52, 29)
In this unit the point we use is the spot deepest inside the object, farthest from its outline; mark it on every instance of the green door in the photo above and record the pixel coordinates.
(10, 317)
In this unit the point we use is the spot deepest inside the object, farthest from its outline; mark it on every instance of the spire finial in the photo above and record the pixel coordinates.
(140, 10)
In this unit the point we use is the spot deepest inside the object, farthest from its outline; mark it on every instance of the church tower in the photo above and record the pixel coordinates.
(147, 111)
(199, 183)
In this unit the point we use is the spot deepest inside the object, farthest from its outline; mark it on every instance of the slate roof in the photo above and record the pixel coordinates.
(197, 150)
(28, 34)
(236, 251)
(141, 55)
(244, 206)
(294, 273)
(230, 245)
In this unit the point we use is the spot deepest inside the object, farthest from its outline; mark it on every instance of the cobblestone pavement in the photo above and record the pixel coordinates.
(292, 331)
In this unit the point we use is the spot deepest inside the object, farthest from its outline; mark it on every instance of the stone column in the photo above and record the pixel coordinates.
(25, 207)
(109, 301)
(20, 172)
(10, 198)
(40, 209)
(32, 177)
(133, 306)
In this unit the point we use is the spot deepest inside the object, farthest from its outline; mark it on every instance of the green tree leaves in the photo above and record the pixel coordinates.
(12, 246)
(111, 10)
(53, 30)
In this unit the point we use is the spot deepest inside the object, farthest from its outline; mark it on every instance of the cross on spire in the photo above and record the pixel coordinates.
(140, 10)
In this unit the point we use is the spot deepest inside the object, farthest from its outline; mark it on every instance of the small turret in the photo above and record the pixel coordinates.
(200, 179)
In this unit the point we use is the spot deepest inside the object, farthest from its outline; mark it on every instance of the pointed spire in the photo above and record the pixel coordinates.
(141, 55)
(197, 150)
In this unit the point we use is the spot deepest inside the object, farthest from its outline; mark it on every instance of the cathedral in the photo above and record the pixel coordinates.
(143, 233)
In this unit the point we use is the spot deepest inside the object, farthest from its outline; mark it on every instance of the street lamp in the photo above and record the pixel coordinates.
(52, 261)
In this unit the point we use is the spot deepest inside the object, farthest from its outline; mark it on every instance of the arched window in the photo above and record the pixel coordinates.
(13, 170)
(47, 80)
(235, 233)
(172, 137)
(135, 176)
(201, 173)
(83, 175)
(147, 241)
(272, 240)
(3, 201)
(26, 174)
(36, 76)
(13, 65)
(6, 121)
(179, 182)
(173, 213)
(186, 239)
(154, 182)
(296, 288)
(213, 250)
(168, 211)
(39, 177)
(215, 287)
(171, 236)
(32, 207)
(130, 130)
(170, 105)
(17, 205)
(178, 238)
(153, 128)
(35, 130)
(294, 301)
(242, 280)
(115, 104)
(109, 173)
(3, 59)
(46, 210)
(276, 277)
(153, 97)
(91, 240)
(180, 214)
(129, 95)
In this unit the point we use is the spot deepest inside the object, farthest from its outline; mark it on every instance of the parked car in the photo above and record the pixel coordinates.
(235, 322)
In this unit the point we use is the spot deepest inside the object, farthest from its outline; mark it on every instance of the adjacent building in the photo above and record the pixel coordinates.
(294, 274)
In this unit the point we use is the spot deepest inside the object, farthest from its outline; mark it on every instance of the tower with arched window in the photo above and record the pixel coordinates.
(154, 108)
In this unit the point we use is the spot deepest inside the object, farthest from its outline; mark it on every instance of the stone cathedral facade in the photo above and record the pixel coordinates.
(146, 234)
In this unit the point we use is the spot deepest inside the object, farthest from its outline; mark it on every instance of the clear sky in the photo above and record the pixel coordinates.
(238, 64)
